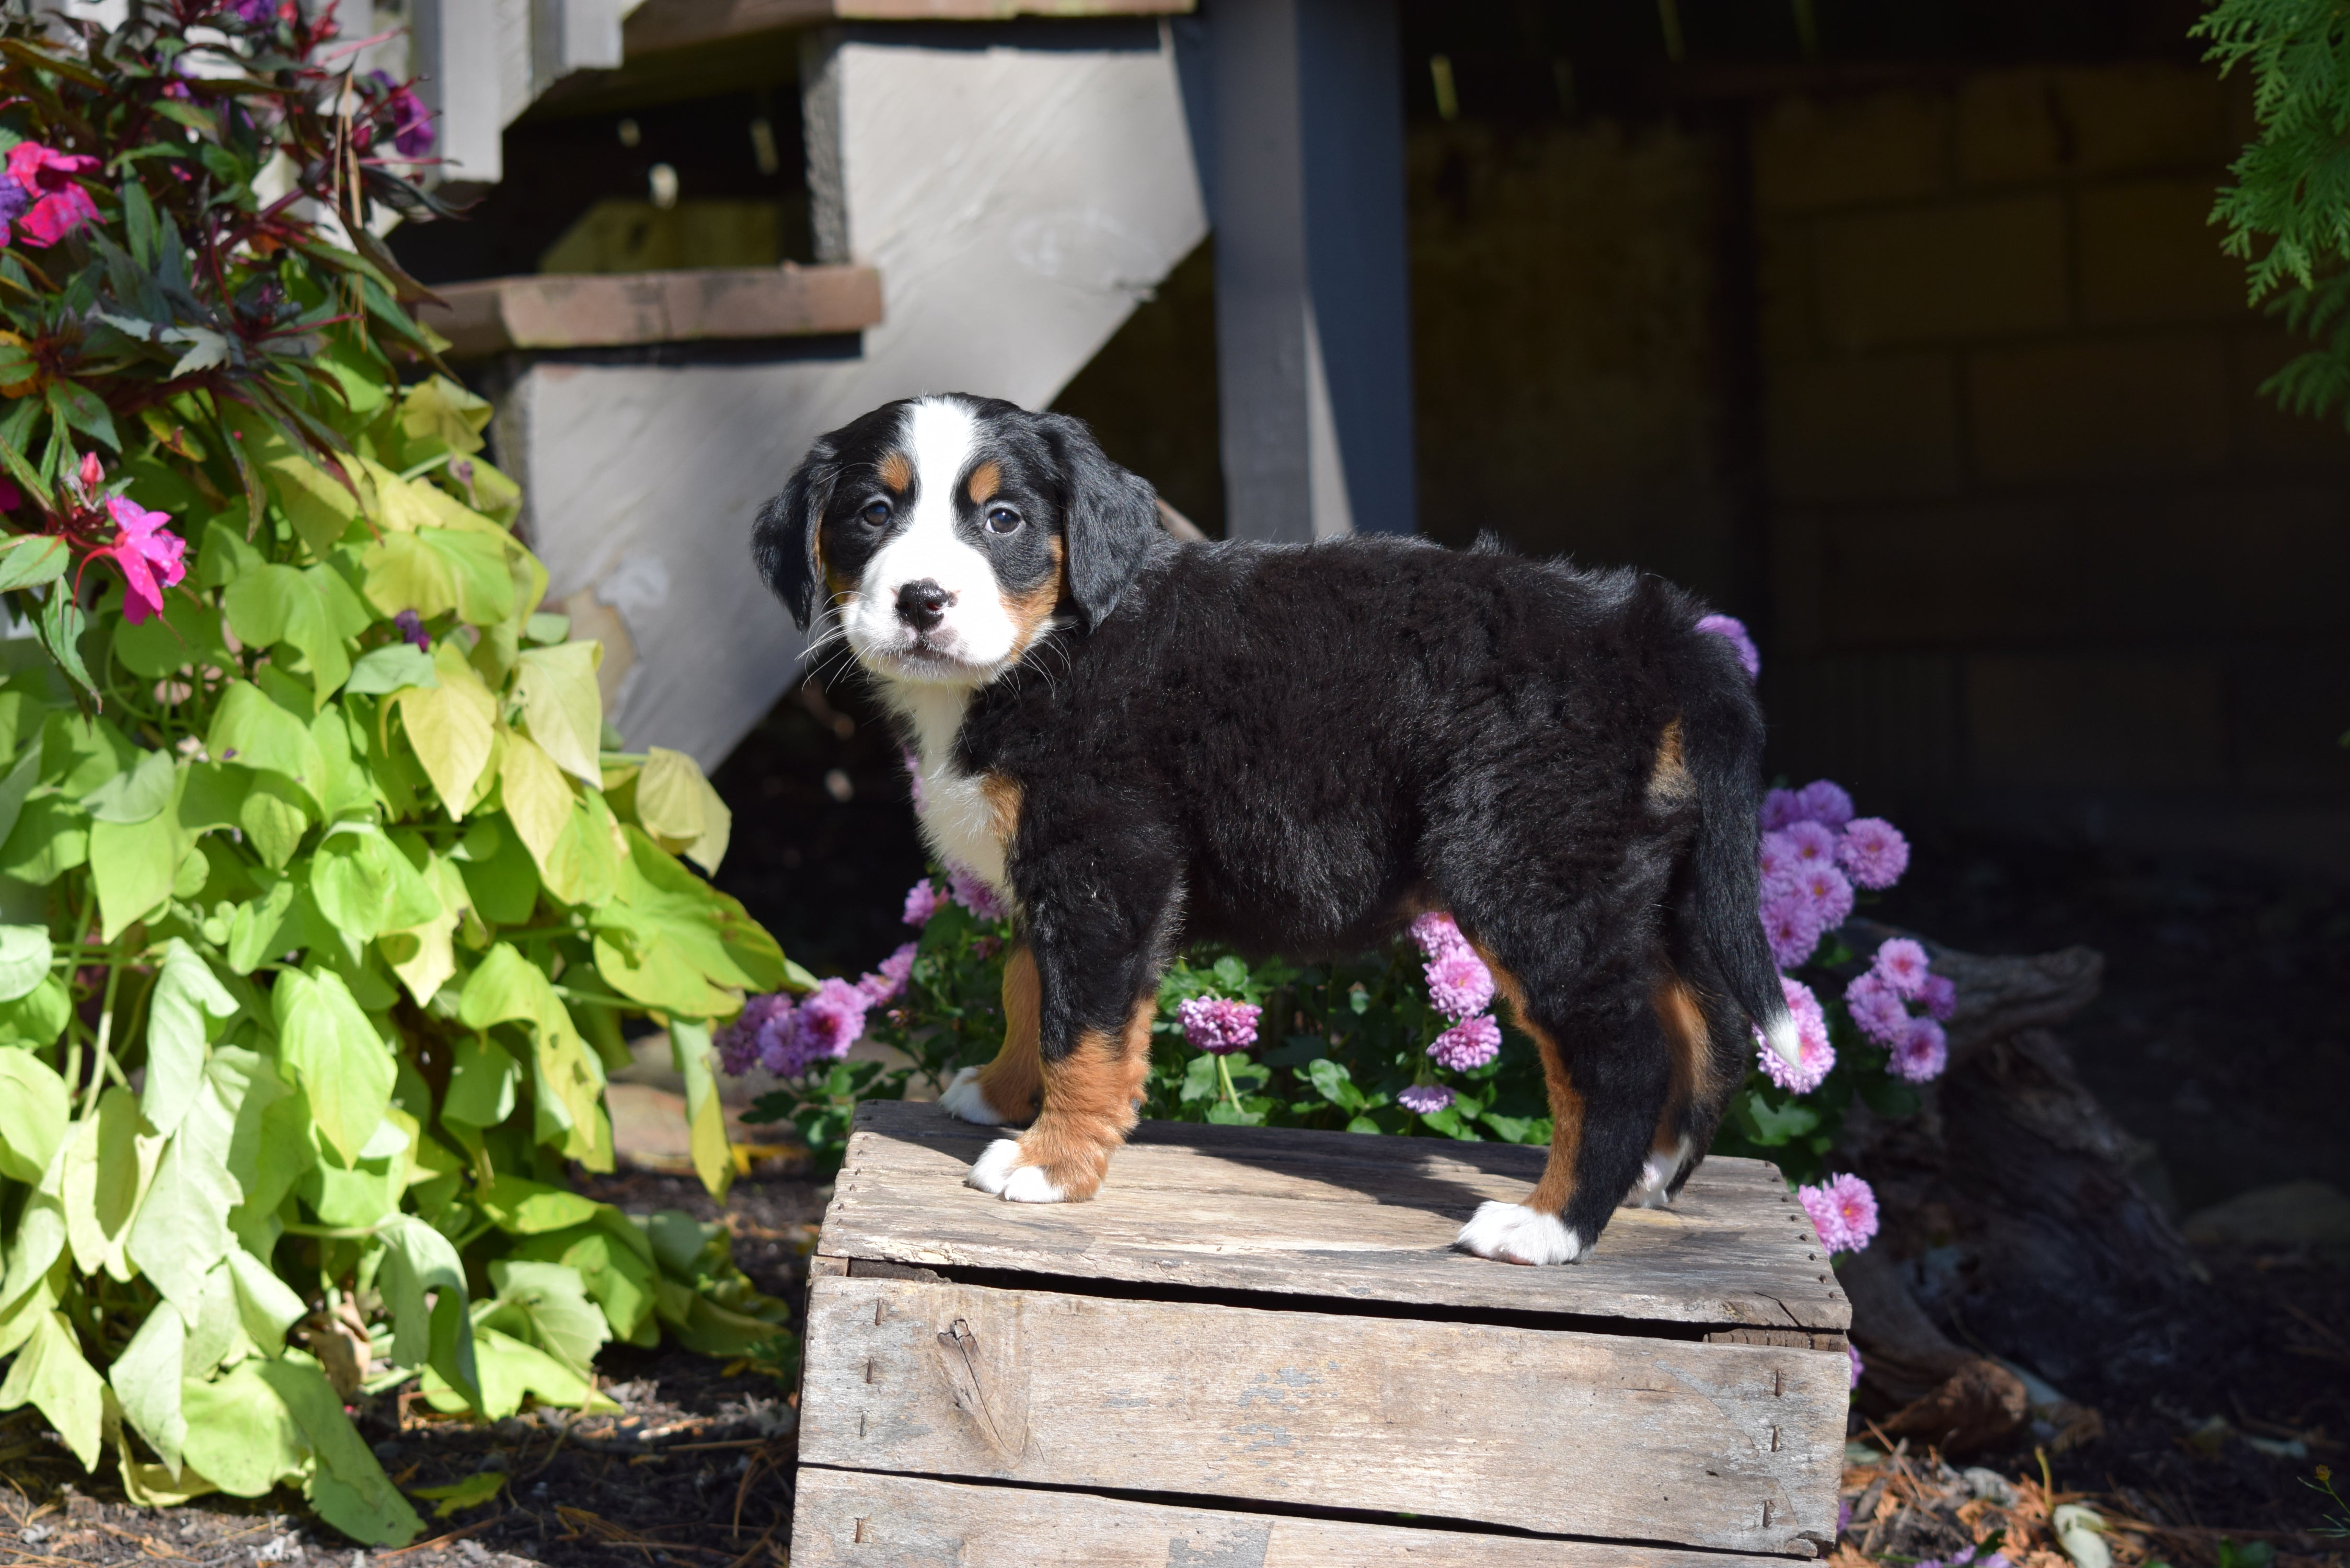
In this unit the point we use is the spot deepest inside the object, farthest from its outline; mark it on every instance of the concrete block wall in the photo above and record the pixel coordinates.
(2039, 553)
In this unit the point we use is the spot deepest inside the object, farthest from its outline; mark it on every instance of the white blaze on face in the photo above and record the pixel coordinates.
(977, 637)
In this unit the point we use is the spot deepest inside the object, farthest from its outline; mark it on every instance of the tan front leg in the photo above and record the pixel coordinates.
(1089, 1100)
(1009, 1088)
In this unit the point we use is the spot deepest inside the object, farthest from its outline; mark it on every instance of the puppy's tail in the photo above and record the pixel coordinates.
(1722, 749)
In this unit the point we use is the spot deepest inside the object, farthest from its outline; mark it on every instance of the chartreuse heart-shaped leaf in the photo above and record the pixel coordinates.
(336, 1056)
(676, 804)
(713, 1157)
(561, 706)
(420, 1263)
(449, 726)
(50, 1373)
(34, 1108)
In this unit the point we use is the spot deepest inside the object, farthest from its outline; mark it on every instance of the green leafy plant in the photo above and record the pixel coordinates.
(325, 890)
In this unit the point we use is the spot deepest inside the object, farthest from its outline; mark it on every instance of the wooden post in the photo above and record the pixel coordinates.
(1312, 307)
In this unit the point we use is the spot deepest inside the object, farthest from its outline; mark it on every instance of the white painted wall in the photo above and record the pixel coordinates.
(1018, 204)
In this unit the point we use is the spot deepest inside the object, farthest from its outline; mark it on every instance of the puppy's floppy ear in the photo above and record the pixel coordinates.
(1109, 518)
(786, 541)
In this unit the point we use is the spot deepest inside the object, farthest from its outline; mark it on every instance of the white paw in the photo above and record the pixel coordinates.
(962, 1100)
(1657, 1173)
(1513, 1234)
(997, 1171)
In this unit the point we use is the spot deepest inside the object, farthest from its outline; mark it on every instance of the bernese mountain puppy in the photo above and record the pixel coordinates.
(1295, 749)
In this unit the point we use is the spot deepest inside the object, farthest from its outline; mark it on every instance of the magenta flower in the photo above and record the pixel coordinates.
(922, 900)
(144, 549)
(1901, 964)
(1471, 1042)
(1843, 1209)
(738, 1042)
(966, 888)
(1826, 803)
(884, 986)
(1875, 1007)
(1459, 983)
(1791, 922)
(1732, 628)
(411, 631)
(411, 122)
(255, 13)
(1941, 995)
(1437, 935)
(1857, 1367)
(1813, 1054)
(826, 1023)
(55, 205)
(1424, 1099)
(1217, 1024)
(1829, 893)
(1923, 1052)
(1873, 852)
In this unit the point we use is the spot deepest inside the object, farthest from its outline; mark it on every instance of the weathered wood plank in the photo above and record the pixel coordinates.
(498, 314)
(1330, 1214)
(1727, 1447)
(860, 1518)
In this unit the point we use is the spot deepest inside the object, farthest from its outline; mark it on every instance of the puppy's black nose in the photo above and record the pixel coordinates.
(923, 605)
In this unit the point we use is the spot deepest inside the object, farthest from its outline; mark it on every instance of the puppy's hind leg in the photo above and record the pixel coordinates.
(1007, 1089)
(1692, 1104)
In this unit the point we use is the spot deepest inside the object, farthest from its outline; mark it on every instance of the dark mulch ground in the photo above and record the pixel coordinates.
(694, 1470)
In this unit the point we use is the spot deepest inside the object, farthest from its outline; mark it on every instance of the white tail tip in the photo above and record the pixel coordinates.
(1783, 1040)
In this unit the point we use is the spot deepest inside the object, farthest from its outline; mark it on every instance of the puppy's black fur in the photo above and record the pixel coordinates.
(1294, 748)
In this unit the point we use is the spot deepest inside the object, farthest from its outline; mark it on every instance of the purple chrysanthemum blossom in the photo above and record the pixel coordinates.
(738, 1042)
(411, 631)
(1825, 801)
(1459, 985)
(1438, 935)
(1941, 995)
(1874, 851)
(1424, 1099)
(1811, 844)
(828, 1021)
(1829, 893)
(1859, 1366)
(1923, 1052)
(883, 985)
(1792, 924)
(1471, 1042)
(1875, 1007)
(1813, 1054)
(1217, 1024)
(1781, 810)
(1901, 964)
(913, 776)
(1730, 627)
(923, 899)
(965, 888)
(1775, 856)
(1843, 1209)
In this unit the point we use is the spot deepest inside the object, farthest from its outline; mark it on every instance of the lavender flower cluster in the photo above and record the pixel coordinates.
(1814, 853)
(1843, 1209)
(1879, 1002)
(1217, 1024)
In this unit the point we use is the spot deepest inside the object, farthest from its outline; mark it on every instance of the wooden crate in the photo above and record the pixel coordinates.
(1256, 1348)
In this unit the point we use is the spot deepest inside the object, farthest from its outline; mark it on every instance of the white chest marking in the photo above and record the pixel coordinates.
(957, 819)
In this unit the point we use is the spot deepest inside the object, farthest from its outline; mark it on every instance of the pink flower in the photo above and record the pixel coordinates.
(1217, 1024)
(1923, 1052)
(922, 900)
(411, 122)
(144, 549)
(1424, 1099)
(1941, 995)
(1844, 1212)
(1732, 628)
(913, 776)
(884, 986)
(1830, 894)
(1437, 935)
(1856, 1366)
(1901, 964)
(1471, 1042)
(92, 472)
(1792, 924)
(1813, 1054)
(828, 1021)
(1781, 810)
(1875, 1007)
(1874, 851)
(1813, 844)
(1459, 983)
(738, 1042)
(966, 888)
(58, 205)
(1826, 803)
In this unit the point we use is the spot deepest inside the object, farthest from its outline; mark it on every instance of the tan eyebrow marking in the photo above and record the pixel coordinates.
(898, 472)
(985, 481)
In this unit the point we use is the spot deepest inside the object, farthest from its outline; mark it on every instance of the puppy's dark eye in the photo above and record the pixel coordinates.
(876, 514)
(1002, 520)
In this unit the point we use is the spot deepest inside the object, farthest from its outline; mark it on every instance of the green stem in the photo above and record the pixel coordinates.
(105, 1037)
(1224, 1076)
(333, 1232)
